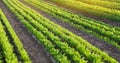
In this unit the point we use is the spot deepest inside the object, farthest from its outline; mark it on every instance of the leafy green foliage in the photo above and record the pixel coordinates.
(100, 30)
(64, 46)
(23, 54)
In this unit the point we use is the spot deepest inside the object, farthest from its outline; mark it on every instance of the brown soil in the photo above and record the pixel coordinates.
(86, 15)
(36, 51)
(111, 50)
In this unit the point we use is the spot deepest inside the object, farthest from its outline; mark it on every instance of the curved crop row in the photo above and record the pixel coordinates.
(102, 12)
(59, 57)
(117, 1)
(15, 42)
(68, 51)
(6, 47)
(101, 30)
(112, 5)
(56, 38)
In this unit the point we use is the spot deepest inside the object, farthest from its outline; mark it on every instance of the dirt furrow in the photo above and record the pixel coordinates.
(36, 51)
(111, 50)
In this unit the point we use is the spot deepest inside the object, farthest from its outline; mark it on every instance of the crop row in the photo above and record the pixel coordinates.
(100, 30)
(55, 52)
(102, 12)
(117, 1)
(10, 43)
(6, 47)
(112, 5)
(64, 46)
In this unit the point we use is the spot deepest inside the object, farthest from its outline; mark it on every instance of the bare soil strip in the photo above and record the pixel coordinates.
(111, 50)
(36, 51)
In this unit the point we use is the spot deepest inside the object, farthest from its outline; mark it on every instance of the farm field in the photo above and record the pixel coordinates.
(59, 31)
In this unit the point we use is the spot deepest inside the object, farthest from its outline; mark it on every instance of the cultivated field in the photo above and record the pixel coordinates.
(59, 31)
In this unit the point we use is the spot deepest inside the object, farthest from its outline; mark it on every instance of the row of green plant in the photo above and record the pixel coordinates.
(59, 57)
(108, 4)
(67, 44)
(117, 1)
(50, 35)
(16, 43)
(102, 12)
(100, 30)
(6, 46)
(1, 56)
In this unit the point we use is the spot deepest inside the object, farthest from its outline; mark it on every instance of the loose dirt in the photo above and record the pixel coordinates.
(111, 50)
(36, 51)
